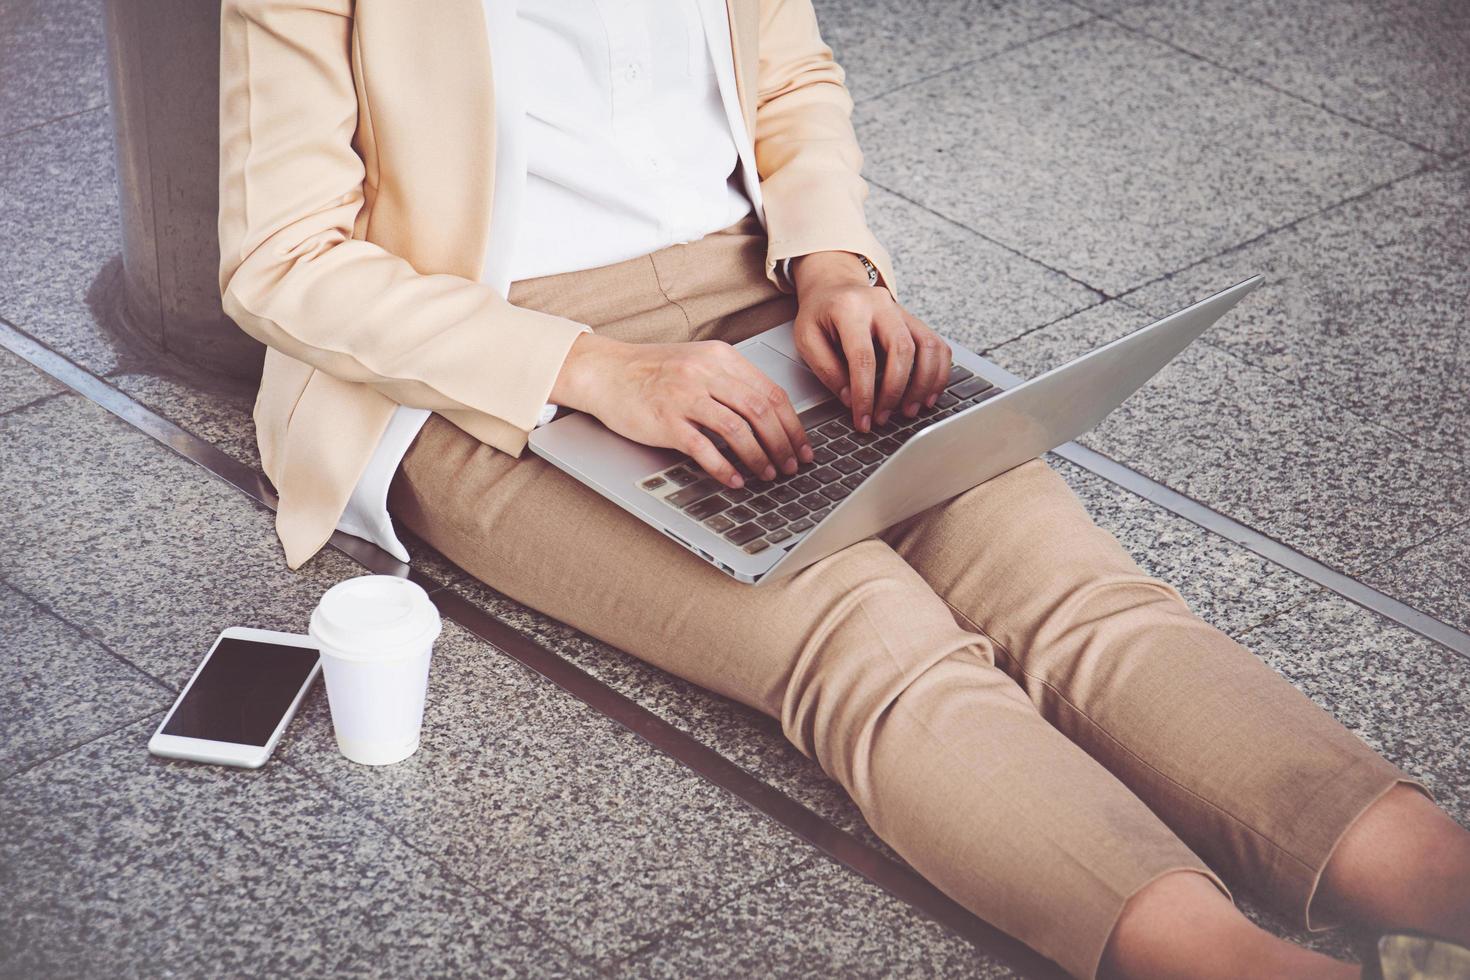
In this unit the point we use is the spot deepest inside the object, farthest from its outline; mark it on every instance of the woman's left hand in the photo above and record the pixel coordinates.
(843, 325)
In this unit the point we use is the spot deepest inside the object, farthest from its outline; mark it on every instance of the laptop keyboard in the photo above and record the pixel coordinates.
(778, 513)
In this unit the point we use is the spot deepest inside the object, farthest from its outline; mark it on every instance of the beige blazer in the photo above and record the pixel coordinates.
(357, 154)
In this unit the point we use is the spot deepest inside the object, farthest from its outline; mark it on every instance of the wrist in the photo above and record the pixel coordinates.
(574, 382)
(818, 269)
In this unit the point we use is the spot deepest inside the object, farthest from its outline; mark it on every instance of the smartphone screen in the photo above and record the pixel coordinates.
(243, 692)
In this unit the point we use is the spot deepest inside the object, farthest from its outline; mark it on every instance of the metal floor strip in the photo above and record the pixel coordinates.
(1252, 540)
(897, 879)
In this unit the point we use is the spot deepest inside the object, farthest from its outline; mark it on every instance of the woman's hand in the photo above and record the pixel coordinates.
(677, 395)
(842, 326)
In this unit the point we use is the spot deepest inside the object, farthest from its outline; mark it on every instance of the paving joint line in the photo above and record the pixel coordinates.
(447, 870)
(54, 119)
(993, 241)
(1247, 537)
(80, 745)
(1276, 229)
(897, 879)
(1111, 18)
(87, 633)
(971, 62)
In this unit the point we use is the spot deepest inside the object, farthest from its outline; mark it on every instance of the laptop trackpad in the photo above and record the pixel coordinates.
(803, 387)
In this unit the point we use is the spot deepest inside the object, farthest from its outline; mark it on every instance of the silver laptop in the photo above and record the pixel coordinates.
(864, 482)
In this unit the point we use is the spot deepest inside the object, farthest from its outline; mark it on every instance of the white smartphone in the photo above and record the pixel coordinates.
(240, 699)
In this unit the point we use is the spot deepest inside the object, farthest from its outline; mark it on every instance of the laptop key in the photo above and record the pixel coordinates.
(804, 484)
(842, 446)
(693, 492)
(819, 515)
(771, 521)
(868, 454)
(813, 501)
(824, 474)
(888, 446)
(740, 514)
(854, 481)
(971, 387)
(792, 511)
(864, 438)
(756, 547)
(835, 491)
(805, 524)
(761, 504)
(719, 523)
(783, 494)
(822, 455)
(653, 483)
(847, 465)
(834, 429)
(946, 400)
(780, 534)
(957, 374)
(744, 533)
(708, 507)
(736, 496)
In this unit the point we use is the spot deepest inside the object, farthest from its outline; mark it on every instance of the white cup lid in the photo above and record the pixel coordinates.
(375, 616)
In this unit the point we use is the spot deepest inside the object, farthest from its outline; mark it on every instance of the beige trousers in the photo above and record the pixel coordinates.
(1032, 722)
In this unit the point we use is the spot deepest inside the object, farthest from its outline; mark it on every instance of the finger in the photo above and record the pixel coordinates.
(816, 348)
(898, 362)
(754, 397)
(928, 358)
(735, 430)
(856, 335)
(698, 447)
(941, 379)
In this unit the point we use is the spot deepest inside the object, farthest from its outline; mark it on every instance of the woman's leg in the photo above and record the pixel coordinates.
(1256, 778)
(1404, 864)
(864, 666)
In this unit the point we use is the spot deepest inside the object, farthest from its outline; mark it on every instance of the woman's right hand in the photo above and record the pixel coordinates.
(677, 395)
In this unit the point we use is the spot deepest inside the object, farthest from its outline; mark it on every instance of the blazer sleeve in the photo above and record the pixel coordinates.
(293, 275)
(805, 149)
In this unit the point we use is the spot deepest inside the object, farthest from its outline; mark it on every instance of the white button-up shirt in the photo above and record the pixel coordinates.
(629, 147)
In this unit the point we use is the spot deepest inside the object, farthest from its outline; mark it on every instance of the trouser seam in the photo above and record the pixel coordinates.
(658, 279)
(1131, 754)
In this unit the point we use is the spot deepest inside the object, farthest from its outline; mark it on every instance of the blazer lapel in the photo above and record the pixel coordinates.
(729, 37)
(510, 152)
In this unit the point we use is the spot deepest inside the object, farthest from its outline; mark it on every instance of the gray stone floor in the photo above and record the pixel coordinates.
(1048, 174)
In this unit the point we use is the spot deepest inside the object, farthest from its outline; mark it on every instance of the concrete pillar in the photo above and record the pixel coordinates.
(163, 81)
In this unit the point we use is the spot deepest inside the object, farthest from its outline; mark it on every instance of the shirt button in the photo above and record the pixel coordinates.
(633, 71)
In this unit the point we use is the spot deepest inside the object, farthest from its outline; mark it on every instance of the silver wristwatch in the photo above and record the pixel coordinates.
(872, 270)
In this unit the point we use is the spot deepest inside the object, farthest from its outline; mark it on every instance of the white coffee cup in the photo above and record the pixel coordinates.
(376, 634)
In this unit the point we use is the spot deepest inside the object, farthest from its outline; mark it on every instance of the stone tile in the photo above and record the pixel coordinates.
(1245, 442)
(222, 417)
(1405, 696)
(741, 734)
(20, 383)
(821, 920)
(1229, 587)
(1363, 305)
(884, 45)
(58, 688)
(139, 547)
(114, 863)
(1398, 64)
(217, 414)
(51, 60)
(59, 228)
(569, 819)
(967, 288)
(1433, 577)
(1114, 158)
